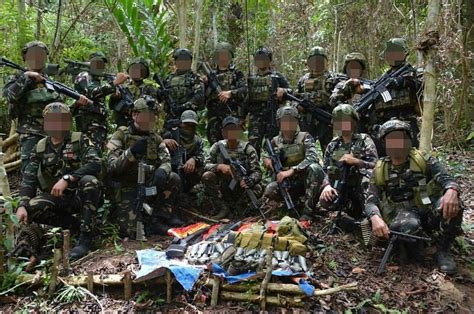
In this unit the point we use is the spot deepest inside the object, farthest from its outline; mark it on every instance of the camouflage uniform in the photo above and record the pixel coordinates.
(192, 146)
(75, 156)
(216, 185)
(185, 88)
(91, 119)
(27, 99)
(123, 176)
(408, 196)
(404, 104)
(262, 119)
(317, 89)
(230, 79)
(138, 89)
(299, 154)
(345, 92)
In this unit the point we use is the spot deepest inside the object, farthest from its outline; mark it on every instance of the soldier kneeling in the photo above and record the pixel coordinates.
(299, 159)
(410, 192)
(127, 148)
(64, 166)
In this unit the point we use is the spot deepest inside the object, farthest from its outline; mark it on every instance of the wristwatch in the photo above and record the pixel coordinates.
(67, 178)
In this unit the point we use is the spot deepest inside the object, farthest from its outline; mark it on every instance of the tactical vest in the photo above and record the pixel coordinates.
(335, 168)
(408, 189)
(51, 168)
(239, 153)
(260, 87)
(153, 141)
(401, 99)
(226, 81)
(181, 87)
(318, 89)
(292, 154)
(35, 101)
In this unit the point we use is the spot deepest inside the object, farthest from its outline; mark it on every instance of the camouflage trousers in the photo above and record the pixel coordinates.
(27, 143)
(410, 219)
(318, 130)
(189, 180)
(307, 183)
(95, 127)
(124, 206)
(82, 199)
(260, 127)
(354, 206)
(218, 193)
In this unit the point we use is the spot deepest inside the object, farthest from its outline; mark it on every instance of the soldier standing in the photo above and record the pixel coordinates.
(64, 166)
(357, 152)
(28, 95)
(299, 159)
(410, 192)
(317, 86)
(233, 91)
(127, 147)
(218, 173)
(266, 92)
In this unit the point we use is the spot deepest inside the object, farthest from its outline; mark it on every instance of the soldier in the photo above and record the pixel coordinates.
(404, 103)
(355, 82)
(316, 86)
(127, 147)
(27, 96)
(91, 119)
(186, 149)
(349, 149)
(218, 174)
(234, 89)
(63, 166)
(266, 92)
(410, 192)
(184, 86)
(138, 70)
(299, 160)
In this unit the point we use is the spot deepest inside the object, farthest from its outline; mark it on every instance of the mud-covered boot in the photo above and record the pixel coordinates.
(224, 211)
(82, 247)
(445, 261)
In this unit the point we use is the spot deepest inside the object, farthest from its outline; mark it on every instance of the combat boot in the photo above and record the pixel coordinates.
(445, 261)
(223, 212)
(82, 247)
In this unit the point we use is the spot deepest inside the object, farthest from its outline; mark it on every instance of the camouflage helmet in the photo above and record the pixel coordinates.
(182, 52)
(396, 44)
(98, 55)
(355, 56)
(224, 46)
(394, 125)
(141, 61)
(56, 107)
(264, 51)
(344, 110)
(189, 116)
(32, 44)
(145, 104)
(317, 51)
(230, 120)
(287, 111)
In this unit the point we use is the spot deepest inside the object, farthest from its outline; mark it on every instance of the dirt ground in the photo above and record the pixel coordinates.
(337, 259)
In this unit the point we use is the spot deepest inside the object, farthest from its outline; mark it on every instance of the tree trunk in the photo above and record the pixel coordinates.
(197, 33)
(39, 19)
(57, 32)
(467, 96)
(181, 12)
(430, 73)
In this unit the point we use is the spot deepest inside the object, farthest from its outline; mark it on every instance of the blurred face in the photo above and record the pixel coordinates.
(262, 61)
(288, 124)
(137, 72)
(344, 126)
(183, 63)
(354, 69)
(397, 145)
(317, 63)
(97, 66)
(144, 121)
(57, 124)
(35, 58)
(394, 57)
(223, 59)
(232, 132)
